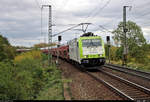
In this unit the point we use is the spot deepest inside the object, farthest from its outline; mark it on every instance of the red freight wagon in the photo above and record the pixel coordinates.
(63, 52)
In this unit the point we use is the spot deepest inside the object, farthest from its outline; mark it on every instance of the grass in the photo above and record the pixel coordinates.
(134, 65)
(52, 93)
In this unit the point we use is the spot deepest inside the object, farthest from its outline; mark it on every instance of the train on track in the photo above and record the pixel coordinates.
(87, 51)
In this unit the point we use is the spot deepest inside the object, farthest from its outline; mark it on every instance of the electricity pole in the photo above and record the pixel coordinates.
(125, 37)
(49, 33)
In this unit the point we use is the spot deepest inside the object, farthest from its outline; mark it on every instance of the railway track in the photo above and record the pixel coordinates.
(126, 89)
(131, 77)
(81, 87)
(133, 72)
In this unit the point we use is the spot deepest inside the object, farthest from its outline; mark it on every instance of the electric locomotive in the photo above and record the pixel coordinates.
(87, 50)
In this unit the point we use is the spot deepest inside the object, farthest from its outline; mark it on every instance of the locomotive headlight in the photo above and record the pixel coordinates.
(100, 55)
(86, 56)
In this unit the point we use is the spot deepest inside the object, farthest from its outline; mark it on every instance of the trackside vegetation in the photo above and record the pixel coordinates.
(27, 76)
(138, 49)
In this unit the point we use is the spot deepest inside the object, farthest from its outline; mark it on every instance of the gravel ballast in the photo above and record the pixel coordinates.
(83, 87)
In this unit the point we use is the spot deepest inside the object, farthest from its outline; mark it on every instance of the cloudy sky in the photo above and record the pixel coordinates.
(20, 20)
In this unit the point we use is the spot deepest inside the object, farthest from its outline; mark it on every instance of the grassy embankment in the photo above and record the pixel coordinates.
(133, 64)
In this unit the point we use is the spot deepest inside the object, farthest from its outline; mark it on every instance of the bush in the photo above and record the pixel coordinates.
(34, 55)
(54, 85)
(6, 50)
(9, 87)
(27, 78)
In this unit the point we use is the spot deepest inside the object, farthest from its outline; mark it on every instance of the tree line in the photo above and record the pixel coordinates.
(138, 47)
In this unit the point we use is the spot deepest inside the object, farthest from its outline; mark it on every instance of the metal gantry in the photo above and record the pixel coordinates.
(49, 33)
(125, 37)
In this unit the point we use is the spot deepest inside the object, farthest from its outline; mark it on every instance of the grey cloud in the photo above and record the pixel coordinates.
(20, 19)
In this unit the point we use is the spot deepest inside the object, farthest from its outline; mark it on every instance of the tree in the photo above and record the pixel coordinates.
(135, 39)
(134, 34)
(6, 50)
(119, 53)
(40, 45)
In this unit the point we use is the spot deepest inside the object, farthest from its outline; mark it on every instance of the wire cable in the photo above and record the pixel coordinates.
(37, 3)
(93, 10)
(105, 5)
(66, 30)
(104, 28)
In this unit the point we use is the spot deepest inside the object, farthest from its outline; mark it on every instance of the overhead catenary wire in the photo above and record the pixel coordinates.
(143, 15)
(66, 30)
(140, 9)
(105, 5)
(93, 10)
(40, 7)
(57, 25)
(79, 24)
(65, 3)
(139, 14)
(105, 28)
(42, 25)
(37, 3)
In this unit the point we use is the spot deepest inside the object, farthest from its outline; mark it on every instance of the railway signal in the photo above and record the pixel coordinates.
(108, 43)
(59, 40)
(108, 39)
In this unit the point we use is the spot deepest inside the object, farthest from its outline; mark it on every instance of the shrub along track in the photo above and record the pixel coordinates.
(84, 87)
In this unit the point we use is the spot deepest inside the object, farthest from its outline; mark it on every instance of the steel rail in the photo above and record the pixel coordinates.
(133, 72)
(129, 68)
(114, 89)
(146, 90)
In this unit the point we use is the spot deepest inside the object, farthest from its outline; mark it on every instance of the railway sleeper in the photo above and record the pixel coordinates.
(130, 90)
(129, 83)
(147, 98)
(126, 87)
(138, 96)
(138, 93)
(142, 98)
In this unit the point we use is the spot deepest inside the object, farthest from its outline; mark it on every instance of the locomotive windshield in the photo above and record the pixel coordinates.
(91, 42)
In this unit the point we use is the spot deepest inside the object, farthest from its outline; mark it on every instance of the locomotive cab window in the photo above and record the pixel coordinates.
(91, 42)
